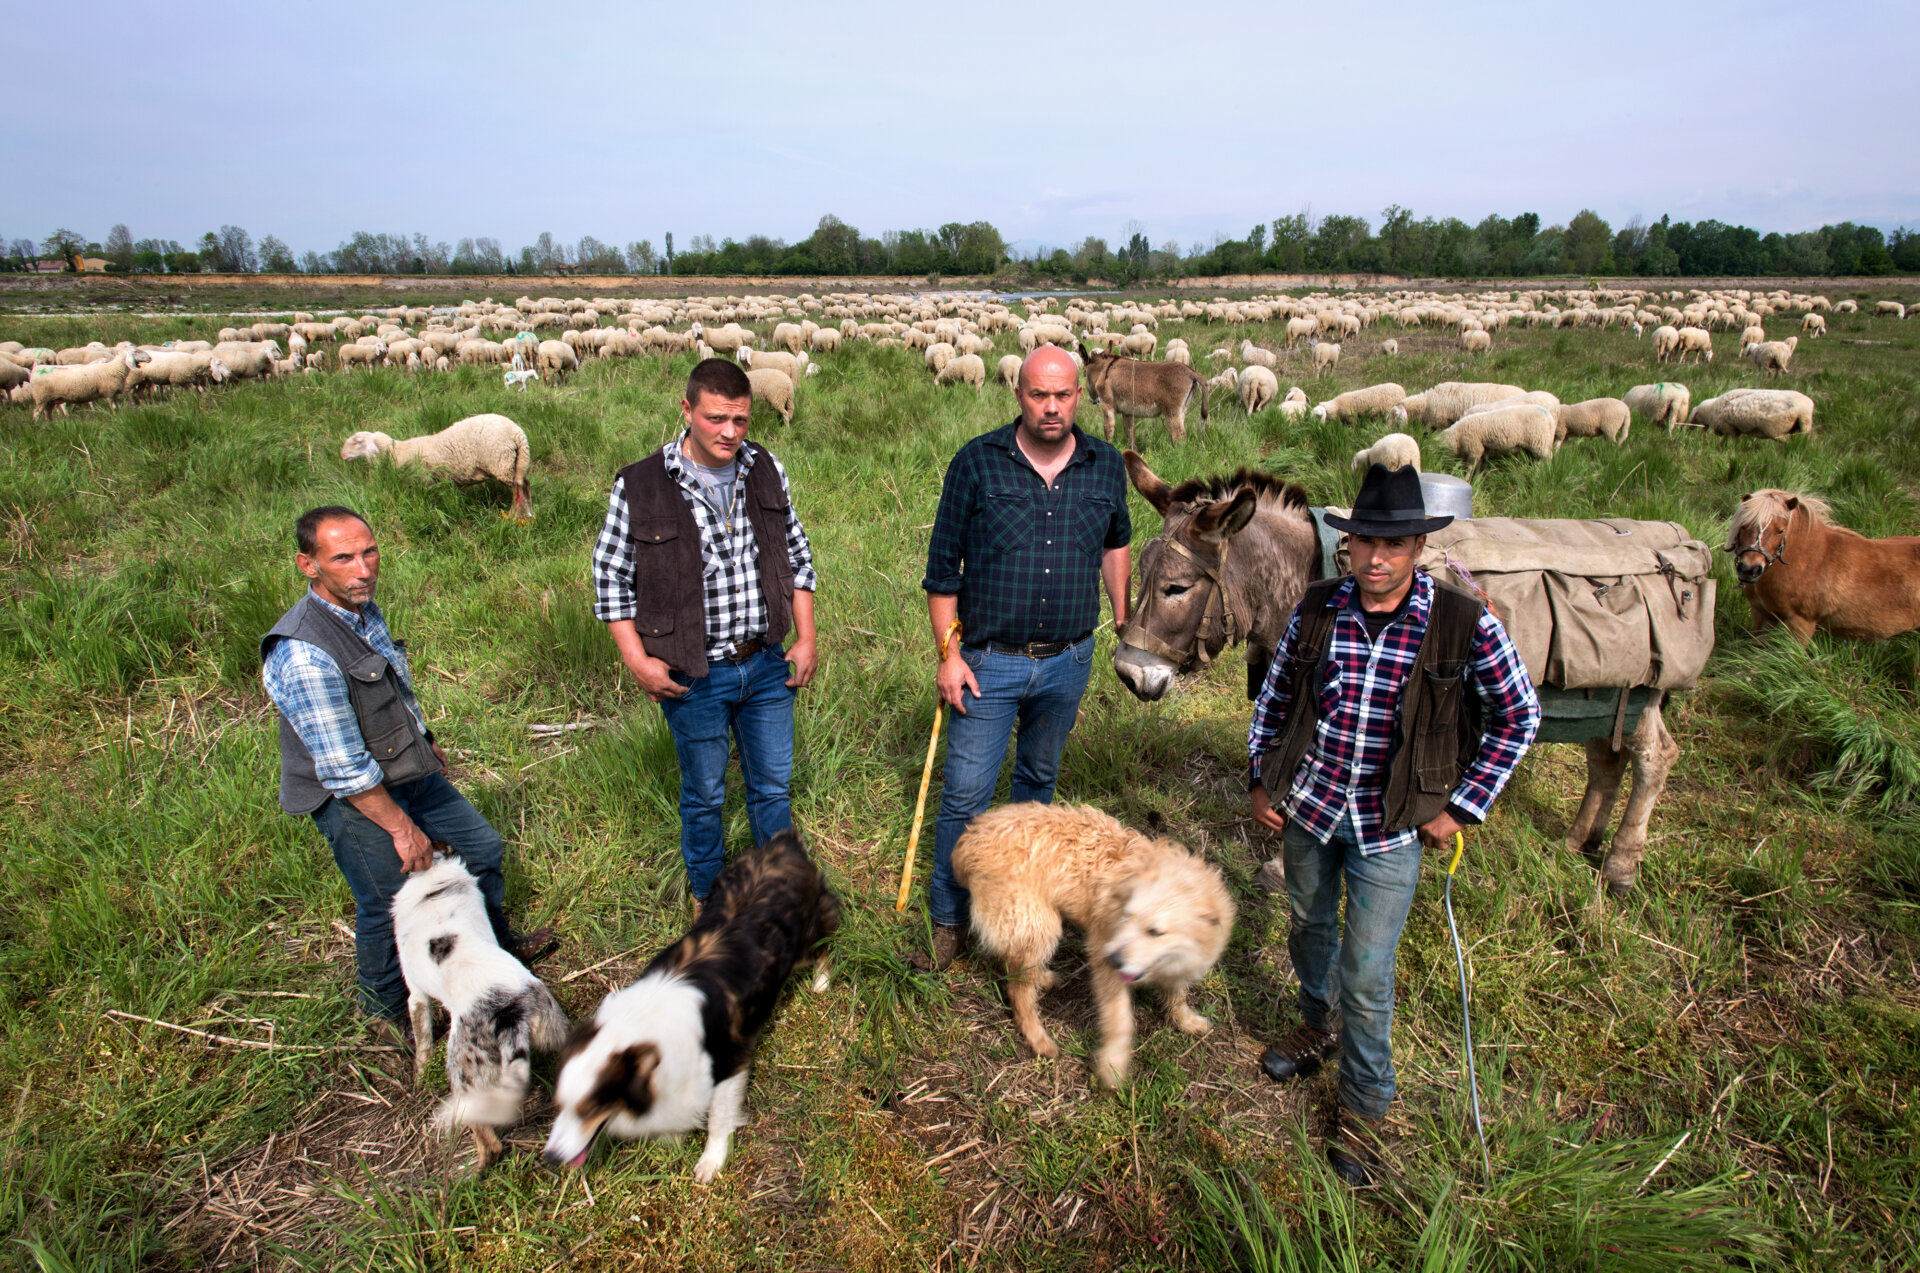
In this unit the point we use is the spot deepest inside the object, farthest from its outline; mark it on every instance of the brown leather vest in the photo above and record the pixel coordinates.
(1434, 737)
(670, 612)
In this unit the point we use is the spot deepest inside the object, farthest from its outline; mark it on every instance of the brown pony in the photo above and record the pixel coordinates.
(1798, 568)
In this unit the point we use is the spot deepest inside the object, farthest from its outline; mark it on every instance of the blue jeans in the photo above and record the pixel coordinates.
(1043, 697)
(751, 699)
(366, 856)
(1356, 971)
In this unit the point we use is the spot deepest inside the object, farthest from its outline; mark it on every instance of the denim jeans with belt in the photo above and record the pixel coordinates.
(366, 856)
(751, 700)
(1354, 972)
(1042, 696)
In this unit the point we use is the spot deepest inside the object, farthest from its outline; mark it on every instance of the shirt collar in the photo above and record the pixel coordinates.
(356, 621)
(1419, 601)
(1082, 444)
(678, 469)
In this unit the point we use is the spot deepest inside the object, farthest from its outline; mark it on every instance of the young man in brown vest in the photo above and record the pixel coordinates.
(699, 573)
(1363, 747)
(356, 753)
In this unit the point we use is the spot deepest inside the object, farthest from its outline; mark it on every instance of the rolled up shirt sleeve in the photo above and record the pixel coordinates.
(1511, 717)
(946, 550)
(613, 560)
(1270, 705)
(311, 692)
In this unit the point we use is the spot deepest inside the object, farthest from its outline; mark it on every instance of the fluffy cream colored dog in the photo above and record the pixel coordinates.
(1152, 912)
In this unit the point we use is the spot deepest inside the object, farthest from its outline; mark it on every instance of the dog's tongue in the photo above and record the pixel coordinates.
(1129, 977)
(580, 1158)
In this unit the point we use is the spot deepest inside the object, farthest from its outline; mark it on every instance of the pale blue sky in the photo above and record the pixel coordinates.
(1053, 122)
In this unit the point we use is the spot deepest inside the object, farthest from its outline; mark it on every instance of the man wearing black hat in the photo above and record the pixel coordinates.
(1394, 711)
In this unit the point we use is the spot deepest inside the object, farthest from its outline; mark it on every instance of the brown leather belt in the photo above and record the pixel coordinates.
(1034, 649)
(745, 650)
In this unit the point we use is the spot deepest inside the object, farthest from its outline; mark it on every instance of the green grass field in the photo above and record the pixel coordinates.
(1718, 1072)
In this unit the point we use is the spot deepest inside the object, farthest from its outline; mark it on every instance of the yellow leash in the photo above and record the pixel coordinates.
(926, 777)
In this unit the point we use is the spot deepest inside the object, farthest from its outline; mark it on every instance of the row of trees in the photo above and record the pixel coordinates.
(1498, 247)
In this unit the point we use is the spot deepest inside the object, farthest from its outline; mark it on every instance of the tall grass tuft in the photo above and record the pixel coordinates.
(1849, 707)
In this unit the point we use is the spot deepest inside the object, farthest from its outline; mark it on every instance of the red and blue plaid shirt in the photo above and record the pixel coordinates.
(1344, 772)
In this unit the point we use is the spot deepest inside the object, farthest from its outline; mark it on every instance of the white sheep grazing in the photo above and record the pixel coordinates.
(1889, 309)
(1666, 342)
(1325, 355)
(1751, 336)
(1608, 418)
(971, 343)
(316, 361)
(968, 368)
(1254, 356)
(351, 356)
(1766, 413)
(443, 363)
(1227, 381)
(825, 340)
(1142, 344)
(296, 345)
(1390, 347)
(1522, 427)
(1258, 387)
(1217, 354)
(1447, 401)
(939, 354)
(793, 364)
(481, 448)
(791, 336)
(92, 382)
(1772, 356)
(775, 388)
(1475, 342)
(1373, 400)
(1697, 341)
(1009, 370)
(1664, 403)
(1294, 405)
(518, 379)
(1813, 326)
(554, 359)
(1298, 328)
(1395, 450)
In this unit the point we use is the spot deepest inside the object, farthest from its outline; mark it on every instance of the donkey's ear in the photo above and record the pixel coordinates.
(1225, 517)
(1151, 488)
(1793, 502)
(1746, 497)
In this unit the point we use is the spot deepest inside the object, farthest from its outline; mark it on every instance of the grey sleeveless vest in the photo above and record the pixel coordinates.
(388, 728)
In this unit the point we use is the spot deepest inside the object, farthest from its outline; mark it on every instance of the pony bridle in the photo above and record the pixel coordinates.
(1136, 635)
(1759, 545)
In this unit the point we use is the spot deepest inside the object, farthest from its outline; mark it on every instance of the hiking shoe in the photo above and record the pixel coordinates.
(1272, 877)
(530, 947)
(948, 941)
(1354, 1149)
(1299, 1054)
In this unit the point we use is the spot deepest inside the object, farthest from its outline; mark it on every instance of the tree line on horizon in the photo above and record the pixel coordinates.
(1497, 247)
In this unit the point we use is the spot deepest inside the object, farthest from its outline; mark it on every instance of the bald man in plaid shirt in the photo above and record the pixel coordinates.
(1363, 748)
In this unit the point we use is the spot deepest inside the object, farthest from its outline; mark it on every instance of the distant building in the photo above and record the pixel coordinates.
(92, 265)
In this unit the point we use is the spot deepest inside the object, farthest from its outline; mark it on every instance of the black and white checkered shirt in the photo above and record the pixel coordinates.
(735, 609)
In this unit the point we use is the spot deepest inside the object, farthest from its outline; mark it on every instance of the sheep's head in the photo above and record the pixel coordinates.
(365, 445)
(1320, 412)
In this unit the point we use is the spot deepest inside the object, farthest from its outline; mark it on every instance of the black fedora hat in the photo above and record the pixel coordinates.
(1390, 505)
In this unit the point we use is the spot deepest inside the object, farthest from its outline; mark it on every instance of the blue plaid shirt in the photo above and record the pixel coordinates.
(311, 692)
(1031, 552)
(1344, 772)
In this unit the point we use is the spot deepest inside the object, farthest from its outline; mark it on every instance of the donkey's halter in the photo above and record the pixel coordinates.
(1758, 545)
(1136, 635)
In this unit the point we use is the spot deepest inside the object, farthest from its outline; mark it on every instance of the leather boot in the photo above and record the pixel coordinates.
(1299, 1054)
(948, 942)
(1354, 1148)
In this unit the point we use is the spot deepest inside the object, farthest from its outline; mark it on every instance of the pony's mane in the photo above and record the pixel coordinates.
(1762, 508)
(1266, 487)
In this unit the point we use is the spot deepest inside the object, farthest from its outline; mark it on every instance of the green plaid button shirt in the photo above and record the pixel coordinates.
(1023, 557)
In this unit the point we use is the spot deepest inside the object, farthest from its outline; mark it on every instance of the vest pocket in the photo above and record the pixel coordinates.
(1437, 762)
(391, 743)
(655, 530)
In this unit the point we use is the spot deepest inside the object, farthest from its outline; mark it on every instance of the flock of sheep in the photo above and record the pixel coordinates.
(547, 339)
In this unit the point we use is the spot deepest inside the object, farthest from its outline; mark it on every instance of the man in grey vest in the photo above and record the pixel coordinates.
(356, 754)
(700, 570)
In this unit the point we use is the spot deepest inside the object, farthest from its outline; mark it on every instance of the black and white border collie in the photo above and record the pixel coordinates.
(670, 1052)
(500, 1010)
